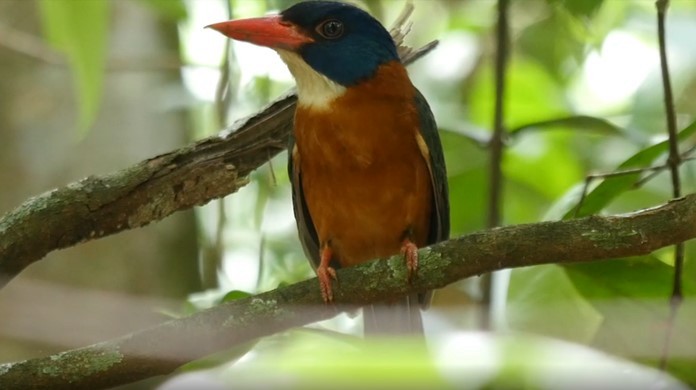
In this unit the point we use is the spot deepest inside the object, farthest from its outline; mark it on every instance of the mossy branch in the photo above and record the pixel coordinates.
(163, 348)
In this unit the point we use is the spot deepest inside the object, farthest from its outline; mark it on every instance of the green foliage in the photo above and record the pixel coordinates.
(580, 8)
(78, 28)
(610, 188)
(311, 359)
(234, 295)
(559, 56)
(579, 123)
(533, 95)
(171, 9)
(630, 295)
(544, 300)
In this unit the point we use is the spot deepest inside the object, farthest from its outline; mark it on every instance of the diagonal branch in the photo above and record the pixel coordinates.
(98, 206)
(163, 348)
(151, 190)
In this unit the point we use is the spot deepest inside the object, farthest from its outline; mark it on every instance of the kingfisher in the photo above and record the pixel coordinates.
(365, 159)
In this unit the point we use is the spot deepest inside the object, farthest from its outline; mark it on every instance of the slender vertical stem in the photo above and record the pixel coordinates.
(496, 143)
(674, 159)
(215, 250)
(673, 163)
(496, 146)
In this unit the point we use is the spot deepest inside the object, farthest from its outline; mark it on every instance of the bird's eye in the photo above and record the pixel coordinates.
(330, 29)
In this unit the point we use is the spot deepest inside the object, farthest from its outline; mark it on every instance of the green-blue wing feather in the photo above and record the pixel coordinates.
(440, 223)
(305, 226)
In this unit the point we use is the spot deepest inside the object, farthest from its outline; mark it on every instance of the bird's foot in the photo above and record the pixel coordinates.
(326, 273)
(410, 252)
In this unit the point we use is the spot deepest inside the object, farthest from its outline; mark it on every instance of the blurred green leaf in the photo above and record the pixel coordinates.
(560, 55)
(613, 186)
(234, 295)
(633, 297)
(303, 359)
(543, 300)
(580, 8)
(78, 28)
(467, 200)
(575, 122)
(223, 357)
(476, 136)
(541, 162)
(466, 169)
(532, 95)
(170, 9)
(462, 152)
(637, 278)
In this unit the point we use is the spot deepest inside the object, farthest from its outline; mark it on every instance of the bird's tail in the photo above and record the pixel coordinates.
(402, 318)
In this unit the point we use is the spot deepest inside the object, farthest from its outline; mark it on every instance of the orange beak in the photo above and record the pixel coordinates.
(269, 31)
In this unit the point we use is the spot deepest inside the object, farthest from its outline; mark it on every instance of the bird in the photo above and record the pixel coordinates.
(365, 158)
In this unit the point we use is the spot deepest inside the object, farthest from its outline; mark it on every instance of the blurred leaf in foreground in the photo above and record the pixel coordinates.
(78, 28)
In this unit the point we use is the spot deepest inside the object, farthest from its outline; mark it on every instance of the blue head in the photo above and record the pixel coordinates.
(347, 43)
(337, 40)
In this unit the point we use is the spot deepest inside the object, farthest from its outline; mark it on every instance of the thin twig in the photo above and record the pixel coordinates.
(496, 142)
(673, 161)
(685, 157)
(496, 145)
(653, 171)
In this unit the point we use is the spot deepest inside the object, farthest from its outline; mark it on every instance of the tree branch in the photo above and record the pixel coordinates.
(161, 349)
(98, 206)
(151, 190)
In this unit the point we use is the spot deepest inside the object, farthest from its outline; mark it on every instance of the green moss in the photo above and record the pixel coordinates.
(608, 240)
(75, 365)
(258, 308)
(5, 368)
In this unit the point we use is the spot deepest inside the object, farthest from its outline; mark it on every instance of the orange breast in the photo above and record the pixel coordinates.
(366, 183)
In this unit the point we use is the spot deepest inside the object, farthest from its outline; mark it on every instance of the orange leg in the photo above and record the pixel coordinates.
(325, 273)
(410, 252)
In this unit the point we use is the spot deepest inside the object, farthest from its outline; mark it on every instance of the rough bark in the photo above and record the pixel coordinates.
(98, 206)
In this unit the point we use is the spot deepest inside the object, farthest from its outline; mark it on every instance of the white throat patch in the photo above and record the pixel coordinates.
(313, 88)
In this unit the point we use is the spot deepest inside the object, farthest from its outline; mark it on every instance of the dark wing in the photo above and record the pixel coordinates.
(440, 223)
(305, 226)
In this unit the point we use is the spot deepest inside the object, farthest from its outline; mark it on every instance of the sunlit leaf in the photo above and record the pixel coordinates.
(532, 95)
(580, 8)
(561, 55)
(613, 186)
(581, 123)
(543, 300)
(78, 28)
(467, 200)
(234, 295)
(554, 169)
(171, 9)
(478, 137)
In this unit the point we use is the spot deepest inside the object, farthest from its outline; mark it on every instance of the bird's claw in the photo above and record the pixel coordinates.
(410, 252)
(325, 275)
